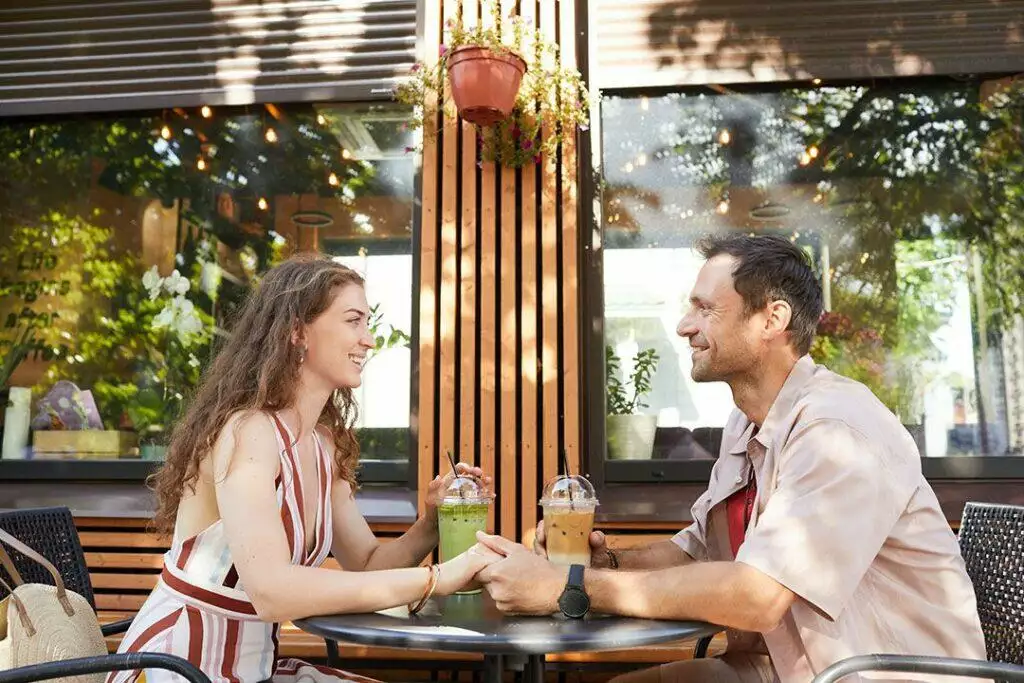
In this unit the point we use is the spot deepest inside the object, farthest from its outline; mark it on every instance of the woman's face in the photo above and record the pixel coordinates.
(337, 342)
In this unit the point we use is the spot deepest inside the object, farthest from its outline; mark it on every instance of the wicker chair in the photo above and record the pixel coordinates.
(992, 543)
(51, 532)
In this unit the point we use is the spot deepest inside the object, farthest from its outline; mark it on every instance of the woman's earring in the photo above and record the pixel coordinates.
(302, 354)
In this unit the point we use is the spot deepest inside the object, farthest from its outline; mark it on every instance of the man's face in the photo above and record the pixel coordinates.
(724, 341)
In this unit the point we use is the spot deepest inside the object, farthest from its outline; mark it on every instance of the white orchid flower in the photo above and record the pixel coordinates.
(176, 284)
(151, 280)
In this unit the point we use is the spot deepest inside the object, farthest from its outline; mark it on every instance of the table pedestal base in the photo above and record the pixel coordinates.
(532, 667)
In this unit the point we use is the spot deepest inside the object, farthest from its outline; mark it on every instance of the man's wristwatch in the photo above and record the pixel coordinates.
(574, 601)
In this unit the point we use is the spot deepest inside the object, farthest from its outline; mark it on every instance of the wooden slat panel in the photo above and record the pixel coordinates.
(650, 43)
(489, 357)
(136, 582)
(121, 539)
(131, 603)
(549, 282)
(467, 279)
(509, 357)
(115, 560)
(448, 390)
(427, 359)
(82, 523)
(571, 249)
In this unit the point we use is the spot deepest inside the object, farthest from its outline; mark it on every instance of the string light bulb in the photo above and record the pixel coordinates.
(206, 111)
(165, 132)
(725, 137)
(723, 207)
(813, 151)
(201, 164)
(321, 119)
(262, 203)
(805, 159)
(332, 180)
(270, 136)
(345, 154)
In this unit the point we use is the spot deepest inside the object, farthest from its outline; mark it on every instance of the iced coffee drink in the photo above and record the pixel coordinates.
(569, 504)
(461, 514)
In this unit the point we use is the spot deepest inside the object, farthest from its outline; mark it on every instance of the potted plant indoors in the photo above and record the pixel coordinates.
(630, 435)
(506, 79)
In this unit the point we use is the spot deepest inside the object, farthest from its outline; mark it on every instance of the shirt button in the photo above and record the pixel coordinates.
(739, 480)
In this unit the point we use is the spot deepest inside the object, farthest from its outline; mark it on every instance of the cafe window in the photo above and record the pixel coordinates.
(128, 242)
(904, 196)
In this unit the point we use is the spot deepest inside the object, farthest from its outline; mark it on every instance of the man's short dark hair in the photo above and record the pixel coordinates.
(771, 268)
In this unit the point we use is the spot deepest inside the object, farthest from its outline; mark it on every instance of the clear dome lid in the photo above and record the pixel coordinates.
(467, 489)
(572, 490)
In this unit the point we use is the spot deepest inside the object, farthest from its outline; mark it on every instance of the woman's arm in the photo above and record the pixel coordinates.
(357, 549)
(245, 465)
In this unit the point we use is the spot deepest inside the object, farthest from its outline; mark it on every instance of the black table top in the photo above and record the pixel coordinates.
(472, 623)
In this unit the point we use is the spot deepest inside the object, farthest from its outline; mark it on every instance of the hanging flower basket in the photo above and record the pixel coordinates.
(484, 83)
(507, 79)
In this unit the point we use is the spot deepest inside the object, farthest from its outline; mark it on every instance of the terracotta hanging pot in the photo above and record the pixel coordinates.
(484, 83)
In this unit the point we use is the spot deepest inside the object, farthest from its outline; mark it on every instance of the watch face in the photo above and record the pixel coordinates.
(574, 603)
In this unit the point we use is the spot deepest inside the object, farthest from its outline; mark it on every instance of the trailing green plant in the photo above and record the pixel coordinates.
(620, 401)
(382, 340)
(552, 103)
(15, 353)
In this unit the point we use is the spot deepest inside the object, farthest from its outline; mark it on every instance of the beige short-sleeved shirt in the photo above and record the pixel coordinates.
(845, 519)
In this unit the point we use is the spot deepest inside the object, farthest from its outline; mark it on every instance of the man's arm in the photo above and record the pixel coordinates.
(730, 594)
(659, 555)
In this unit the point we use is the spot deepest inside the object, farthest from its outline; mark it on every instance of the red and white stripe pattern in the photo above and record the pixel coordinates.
(199, 610)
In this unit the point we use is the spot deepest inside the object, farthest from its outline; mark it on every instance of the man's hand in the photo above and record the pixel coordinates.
(459, 572)
(522, 583)
(598, 546)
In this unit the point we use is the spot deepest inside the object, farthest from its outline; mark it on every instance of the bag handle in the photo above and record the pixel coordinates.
(62, 595)
(19, 606)
(8, 564)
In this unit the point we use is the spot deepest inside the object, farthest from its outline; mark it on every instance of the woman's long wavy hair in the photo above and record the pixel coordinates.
(257, 369)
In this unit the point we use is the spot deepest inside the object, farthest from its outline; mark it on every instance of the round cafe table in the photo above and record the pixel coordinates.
(472, 623)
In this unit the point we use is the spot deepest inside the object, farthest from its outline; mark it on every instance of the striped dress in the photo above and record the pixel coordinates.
(199, 610)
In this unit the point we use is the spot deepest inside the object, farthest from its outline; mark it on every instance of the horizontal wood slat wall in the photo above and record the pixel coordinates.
(499, 335)
(651, 43)
(124, 559)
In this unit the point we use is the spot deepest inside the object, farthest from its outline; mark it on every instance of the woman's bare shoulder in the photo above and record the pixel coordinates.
(247, 436)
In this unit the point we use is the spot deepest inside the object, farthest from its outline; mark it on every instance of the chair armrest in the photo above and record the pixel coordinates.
(700, 651)
(972, 668)
(115, 627)
(90, 665)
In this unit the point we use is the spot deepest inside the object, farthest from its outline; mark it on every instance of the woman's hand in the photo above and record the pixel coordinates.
(437, 488)
(460, 572)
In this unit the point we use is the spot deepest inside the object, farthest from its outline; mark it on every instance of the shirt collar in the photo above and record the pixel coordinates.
(791, 390)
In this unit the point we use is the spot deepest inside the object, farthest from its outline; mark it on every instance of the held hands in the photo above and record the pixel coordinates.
(437, 487)
(598, 546)
(460, 572)
(521, 582)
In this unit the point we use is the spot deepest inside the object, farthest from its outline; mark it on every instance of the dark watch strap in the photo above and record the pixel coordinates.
(575, 576)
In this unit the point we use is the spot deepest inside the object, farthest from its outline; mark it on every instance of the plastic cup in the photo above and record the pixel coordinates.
(569, 503)
(462, 513)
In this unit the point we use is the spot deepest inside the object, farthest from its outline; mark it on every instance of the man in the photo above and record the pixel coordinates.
(818, 537)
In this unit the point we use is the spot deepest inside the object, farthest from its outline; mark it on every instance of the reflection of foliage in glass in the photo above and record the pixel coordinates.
(885, 176)
(620, 402)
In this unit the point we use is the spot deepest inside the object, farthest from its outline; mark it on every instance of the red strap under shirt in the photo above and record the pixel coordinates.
(738, 509)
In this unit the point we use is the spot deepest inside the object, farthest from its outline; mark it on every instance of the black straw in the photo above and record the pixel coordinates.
(565, 469)
(455, 471)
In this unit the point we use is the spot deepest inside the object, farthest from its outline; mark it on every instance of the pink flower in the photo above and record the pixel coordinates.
(584, 127)
(536, 158)
(450, 23)
(528, 145)
(416, 67)
(410, 149)
(441, 50)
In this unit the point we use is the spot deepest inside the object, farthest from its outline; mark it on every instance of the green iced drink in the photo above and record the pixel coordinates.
(458, 524)
(462, 513)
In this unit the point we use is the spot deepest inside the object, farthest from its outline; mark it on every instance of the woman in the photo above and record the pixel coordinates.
(258, 489)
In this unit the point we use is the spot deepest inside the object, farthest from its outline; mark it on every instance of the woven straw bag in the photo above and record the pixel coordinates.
(40, 623)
